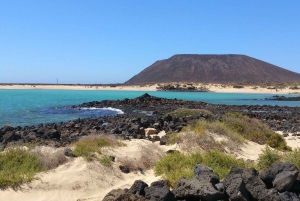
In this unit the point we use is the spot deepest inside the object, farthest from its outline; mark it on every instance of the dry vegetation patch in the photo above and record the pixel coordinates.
(50, 158)
(89, 147)
(204, 135)
(253, 130)
(145, 159)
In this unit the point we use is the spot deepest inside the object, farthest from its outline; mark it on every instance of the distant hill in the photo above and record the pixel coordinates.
(227, 68)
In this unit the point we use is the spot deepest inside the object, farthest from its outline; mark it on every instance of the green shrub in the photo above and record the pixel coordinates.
(268, 157)
(87, 146)
(177, 165)
(293, 157)
(173, 138)
(105, 160)
(278, 142)
(222, 163)
(254, 130)
(18, 166)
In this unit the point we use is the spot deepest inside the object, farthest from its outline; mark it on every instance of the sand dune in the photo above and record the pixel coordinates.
(79, 180)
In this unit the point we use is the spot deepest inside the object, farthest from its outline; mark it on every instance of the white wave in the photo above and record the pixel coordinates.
(114, 109)
(105, 108)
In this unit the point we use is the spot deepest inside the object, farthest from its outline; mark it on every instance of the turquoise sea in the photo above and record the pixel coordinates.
(32, 107)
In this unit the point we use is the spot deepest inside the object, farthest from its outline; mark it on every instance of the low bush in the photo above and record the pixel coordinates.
(105, 160)
(18, 166)
(238, 86)
(268, 157)
(254, 130)
(177, 165)
(222, 163)
(293, 157)
(201, 136)
(50, 158)
(88, 146)
(173, 138)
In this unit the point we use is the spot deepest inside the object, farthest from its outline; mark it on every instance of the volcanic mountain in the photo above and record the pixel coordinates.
(227, 68)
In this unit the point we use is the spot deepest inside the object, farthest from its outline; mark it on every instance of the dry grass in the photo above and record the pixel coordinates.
(149, 155)
(204, 135)
(192, 142)
(89, 146)
(50, 158)
(252, 129)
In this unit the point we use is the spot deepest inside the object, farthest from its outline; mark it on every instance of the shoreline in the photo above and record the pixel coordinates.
(92, 180)
(214, 88)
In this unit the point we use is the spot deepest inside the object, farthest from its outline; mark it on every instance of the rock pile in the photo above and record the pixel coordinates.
(278, 183)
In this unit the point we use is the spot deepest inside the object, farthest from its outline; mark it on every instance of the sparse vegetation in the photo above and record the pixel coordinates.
(88, 146)
(295, 87)
(200, 136)
(149, 155)
(174, 138)
(238, 86)
(270, 156)
(18, 166)
(177, 165)
(105, 160)
(50, 158)
(254, 130)
(184, 112)
(293, 157)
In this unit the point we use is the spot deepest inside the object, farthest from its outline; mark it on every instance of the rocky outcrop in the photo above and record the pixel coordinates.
(140, 115)
(284, 98)
(280, 176)
(241, 184)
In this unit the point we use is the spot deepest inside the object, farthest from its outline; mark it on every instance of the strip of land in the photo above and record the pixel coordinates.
(220, 88)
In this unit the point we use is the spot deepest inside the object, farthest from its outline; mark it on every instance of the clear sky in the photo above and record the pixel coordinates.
(103, 41)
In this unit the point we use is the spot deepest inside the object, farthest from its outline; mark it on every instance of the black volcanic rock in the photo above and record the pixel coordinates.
(228, 68)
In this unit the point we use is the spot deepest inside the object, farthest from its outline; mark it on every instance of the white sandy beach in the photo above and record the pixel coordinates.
(153, 87)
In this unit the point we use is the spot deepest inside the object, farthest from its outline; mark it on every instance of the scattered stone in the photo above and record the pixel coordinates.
(68, 152)
(124, 169)
(163, 140)
(150, 131)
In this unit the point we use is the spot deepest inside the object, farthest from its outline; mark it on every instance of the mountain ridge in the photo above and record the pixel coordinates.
(213, 68)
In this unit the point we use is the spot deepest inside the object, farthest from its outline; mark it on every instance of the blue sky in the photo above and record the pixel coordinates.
(101, 41)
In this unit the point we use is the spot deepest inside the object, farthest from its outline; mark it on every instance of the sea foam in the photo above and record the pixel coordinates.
(105, 108)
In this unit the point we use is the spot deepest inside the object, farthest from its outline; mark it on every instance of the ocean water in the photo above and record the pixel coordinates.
(32, 107)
